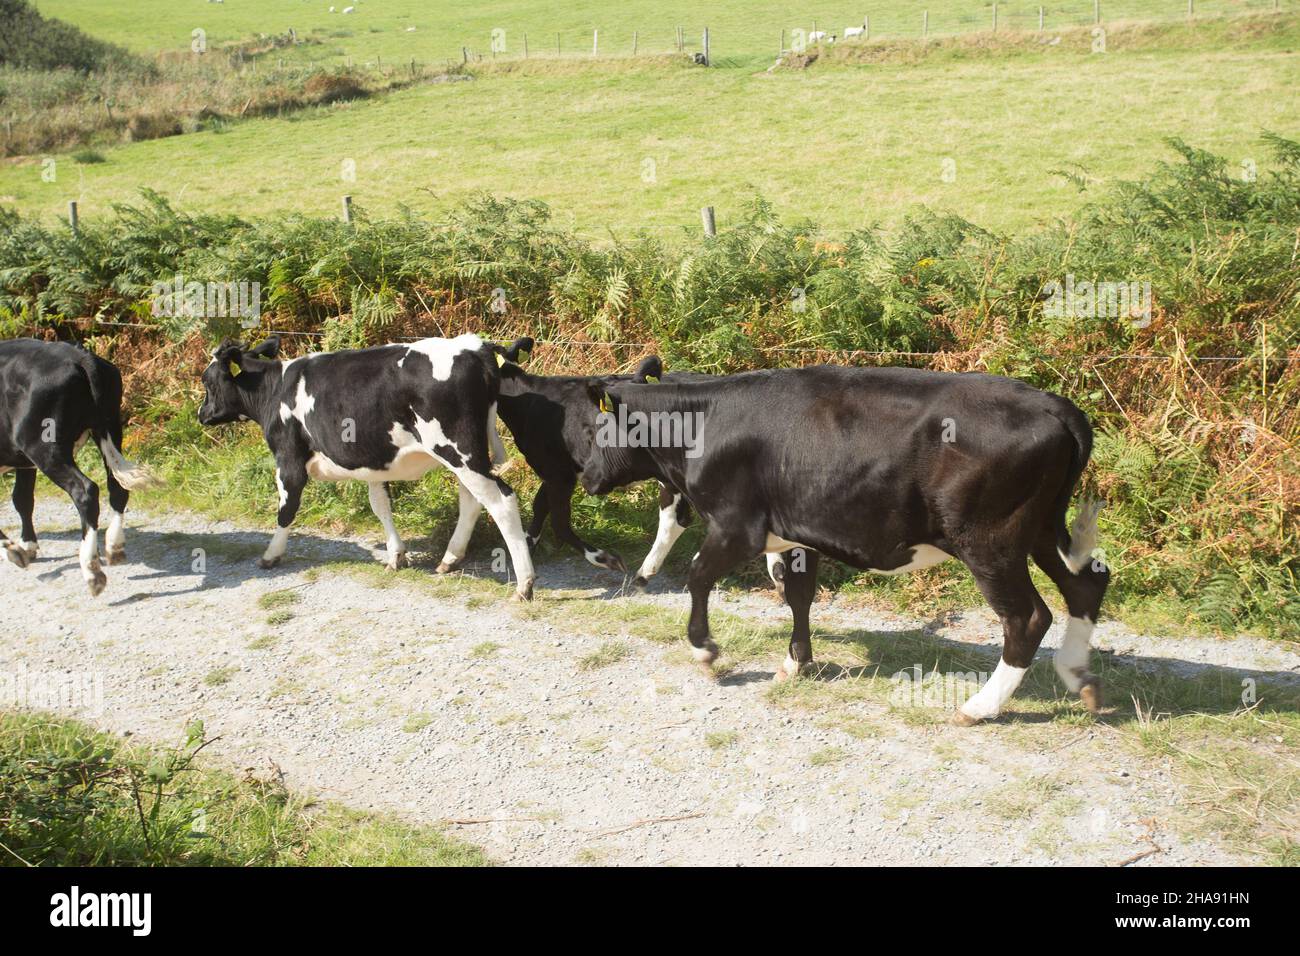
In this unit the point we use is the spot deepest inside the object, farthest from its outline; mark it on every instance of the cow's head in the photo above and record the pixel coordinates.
(231, 381)
(607, 461)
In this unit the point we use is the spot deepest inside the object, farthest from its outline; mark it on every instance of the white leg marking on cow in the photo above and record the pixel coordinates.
(706, 654)
(275, 550)
(791, 666)
(382, 506)
(991, 698)
(31, 549)
(469, 512)
(773, 559)
(504, 510)
(1071, 659)
(90, 569)
(665, 537)
(279, 487)
(115, 537)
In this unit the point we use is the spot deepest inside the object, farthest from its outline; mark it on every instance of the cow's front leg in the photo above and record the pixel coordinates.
(290, 479)
(561, 499)
(800, 579)
(503, 505)
(381, 503)
(24, 499)
(674, 516)
(723, 549)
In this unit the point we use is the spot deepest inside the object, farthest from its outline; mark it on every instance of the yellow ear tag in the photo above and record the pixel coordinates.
(652, 379)
(501, 359)
(606, 406)
(234, 369)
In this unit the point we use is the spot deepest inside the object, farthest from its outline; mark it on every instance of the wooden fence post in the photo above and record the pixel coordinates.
(706, 46)
(595, 42)
(925, 23)
(710, 225)
(780, 51)
(1096, 11)
(557, 44)
(347, 209)
(1040, 19)
(525, 46)
(73, 220)
(995, 17)
(866, 28)
(634, 43)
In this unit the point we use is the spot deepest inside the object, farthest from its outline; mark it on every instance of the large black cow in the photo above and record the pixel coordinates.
(53, 397)
(884, 469)
(551, 420)
(389, 413)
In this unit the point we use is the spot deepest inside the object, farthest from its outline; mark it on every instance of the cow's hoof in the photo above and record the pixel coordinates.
(640, 582)
(397, 561)
(31, 549)
(1090, 694)
(962, 719)
(615, 563)
(97, 581)
(116, 556)
(523, 594)
(791, 668)
(16, 555)
(446, 567)
(266, 564)
(705, 655)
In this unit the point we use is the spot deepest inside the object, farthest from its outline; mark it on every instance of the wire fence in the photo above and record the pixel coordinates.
(819, 25)
(775, 349)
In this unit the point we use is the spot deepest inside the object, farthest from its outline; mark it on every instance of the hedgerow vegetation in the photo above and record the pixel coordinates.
(72, 796)
(1196, 410)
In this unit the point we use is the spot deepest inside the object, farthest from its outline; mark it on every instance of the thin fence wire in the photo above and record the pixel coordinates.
(784, 349)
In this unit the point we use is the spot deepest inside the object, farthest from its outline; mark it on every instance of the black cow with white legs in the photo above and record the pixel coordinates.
(551, 421)
(889, 470)
(54, 397)
(389, 413)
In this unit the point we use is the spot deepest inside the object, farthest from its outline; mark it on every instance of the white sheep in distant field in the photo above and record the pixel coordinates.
(817, 36)
(349, 9)
(853, 32)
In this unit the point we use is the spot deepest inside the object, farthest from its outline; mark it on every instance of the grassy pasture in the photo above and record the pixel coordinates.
(613, 146)
(381, 28)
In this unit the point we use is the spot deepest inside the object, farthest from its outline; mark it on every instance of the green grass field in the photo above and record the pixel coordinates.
(620, 147)
(381, 27)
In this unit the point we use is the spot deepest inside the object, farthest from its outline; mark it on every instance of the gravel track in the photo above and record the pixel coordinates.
(467, 709)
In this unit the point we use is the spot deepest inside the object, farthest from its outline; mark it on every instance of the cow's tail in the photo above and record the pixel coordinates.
(1076, 545)
(106, 392)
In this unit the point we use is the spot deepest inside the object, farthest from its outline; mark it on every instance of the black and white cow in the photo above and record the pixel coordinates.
(551, 420)
(389, 413)
(884, 469)
(53, 397)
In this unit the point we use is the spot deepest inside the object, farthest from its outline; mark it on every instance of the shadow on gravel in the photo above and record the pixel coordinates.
(198, 561)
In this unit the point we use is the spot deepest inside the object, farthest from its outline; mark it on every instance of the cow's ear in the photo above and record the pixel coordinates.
(599, 397)
(520, 349)
(268, 349)
(649, 371)
(227, 354)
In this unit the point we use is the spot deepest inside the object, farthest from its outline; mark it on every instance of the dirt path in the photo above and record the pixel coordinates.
(468, 708)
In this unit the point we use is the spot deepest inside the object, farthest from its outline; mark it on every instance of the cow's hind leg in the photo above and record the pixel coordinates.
(722, 549)
(381, 503)
(85, 496)
(1025, 619)
(1083, 593)
(674, 516)
(458, 546)
(503, 505)
(800, 588)
(24, 498)
(290, 479)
